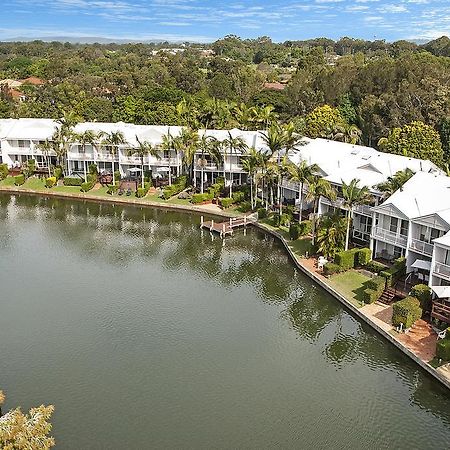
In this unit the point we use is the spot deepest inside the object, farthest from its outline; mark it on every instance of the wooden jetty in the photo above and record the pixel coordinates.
(226, 227)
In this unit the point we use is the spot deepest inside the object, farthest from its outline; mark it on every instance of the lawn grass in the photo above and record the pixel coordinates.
(34, 183)
(8, 181)
(351, 285)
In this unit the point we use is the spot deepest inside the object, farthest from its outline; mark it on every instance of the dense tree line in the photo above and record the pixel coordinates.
(372, 88)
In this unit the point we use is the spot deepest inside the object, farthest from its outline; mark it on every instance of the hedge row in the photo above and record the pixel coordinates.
(394, 273)
(423, 293)
(19, 180)
(443, 347)
(175, 188)
(226, 202)
(406, 312)
(376, 267)
(374, 288)
(331, 268)
(73, 181)
(200, 198)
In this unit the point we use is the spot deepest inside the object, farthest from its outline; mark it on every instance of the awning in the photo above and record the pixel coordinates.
(134, 170)
(421, 264)
(441, 291)
(162, 169)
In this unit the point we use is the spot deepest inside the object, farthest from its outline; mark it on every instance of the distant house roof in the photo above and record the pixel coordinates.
(15, 94)
(33, 80)
(274, 86)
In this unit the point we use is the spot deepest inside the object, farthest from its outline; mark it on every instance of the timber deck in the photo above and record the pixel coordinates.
(227, 227)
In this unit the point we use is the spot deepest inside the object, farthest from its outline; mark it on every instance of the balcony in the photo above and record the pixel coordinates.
(442, 269)
(366, 210)
(133, 160)
(422, 247)
(80, 156)
(107, 157)
(384, 235)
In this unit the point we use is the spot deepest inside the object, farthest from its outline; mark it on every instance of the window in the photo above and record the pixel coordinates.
(435, 234)
(423, 233)
(404, 228)
(398, 252)
(393, 224)
(22, 144)
(447, 257)
(81, 149)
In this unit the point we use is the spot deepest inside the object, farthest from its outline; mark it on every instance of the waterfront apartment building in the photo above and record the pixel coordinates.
(413, 222)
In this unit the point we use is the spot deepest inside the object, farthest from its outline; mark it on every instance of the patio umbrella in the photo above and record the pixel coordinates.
(441, 291)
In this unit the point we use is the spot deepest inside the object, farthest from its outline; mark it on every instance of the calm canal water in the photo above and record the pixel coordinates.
(145, 333)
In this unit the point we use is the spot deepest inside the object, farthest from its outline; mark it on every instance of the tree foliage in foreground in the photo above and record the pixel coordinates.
(19, 431)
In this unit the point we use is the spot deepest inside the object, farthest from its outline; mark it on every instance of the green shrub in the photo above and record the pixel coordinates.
(117, 175)
(93, 169)
(3, 171)
(345, 259)
(423, 293)
(238, 196)
(294, 231)
(200, 198)
(443, 348)
(176, 187)
(57, 172)
(274, 219)
(373, 289)
(370, 296)
(375, 267)
(85, 187)
(112, 189)
(50, 182)
(305, 227)
(262, 213)
(363, 256)
(376, 283)
(19, 179)
(406, 311)
(30, 168)
(72, 181)
(141, 192)
(244, 206)
(285, 219)
(226, 202)
(331, 268)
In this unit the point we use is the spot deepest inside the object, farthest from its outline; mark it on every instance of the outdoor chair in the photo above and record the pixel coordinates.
(128, 192)
(120, 192)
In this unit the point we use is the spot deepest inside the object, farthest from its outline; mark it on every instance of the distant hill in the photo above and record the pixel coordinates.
(85, 40)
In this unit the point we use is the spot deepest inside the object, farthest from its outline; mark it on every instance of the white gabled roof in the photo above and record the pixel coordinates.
(344, 162)
(23, 129)
(423, 194)
(443, 240)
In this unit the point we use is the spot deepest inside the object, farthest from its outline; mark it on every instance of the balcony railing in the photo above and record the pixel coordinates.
(422, 247)
(442, 270)
(363, 209)
(389, 237)
(107, 157)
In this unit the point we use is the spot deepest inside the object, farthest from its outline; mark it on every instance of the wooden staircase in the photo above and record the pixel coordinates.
(388, 295)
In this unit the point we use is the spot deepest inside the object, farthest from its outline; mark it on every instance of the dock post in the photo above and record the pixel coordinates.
(245, 221)
(230, 222)
(201, 221)
(223, 229)
(212, 225)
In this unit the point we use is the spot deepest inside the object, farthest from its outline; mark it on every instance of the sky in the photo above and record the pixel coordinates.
(206, 21)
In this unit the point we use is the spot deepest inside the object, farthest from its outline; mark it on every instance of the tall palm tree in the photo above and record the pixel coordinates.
(331, 234)
(87, 137)
(208, 146)
(142, 150)
(112, 141)
(234, 144)
(187, 142)
(245, 116)
(395, 182)
(169, 145)
(265, 115)
(353, 195)
(279, 138)
(187, 113)
(63, 136)
(317, 188)
(46, 147)
(251, 162)
(301, 174)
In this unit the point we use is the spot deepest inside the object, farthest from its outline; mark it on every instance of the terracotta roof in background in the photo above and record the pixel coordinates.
(33, 80)
(274, 86)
